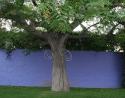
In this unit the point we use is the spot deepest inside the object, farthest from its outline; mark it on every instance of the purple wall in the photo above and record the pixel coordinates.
(87, 69)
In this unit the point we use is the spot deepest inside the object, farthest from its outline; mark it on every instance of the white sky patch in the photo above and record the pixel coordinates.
(78, 29)
(16, 29)
(6, 24)
(120, 11)
(88, 24)
(118, 28)
(28, 22)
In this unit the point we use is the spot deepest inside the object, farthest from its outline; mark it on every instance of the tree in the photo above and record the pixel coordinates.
(54, 21)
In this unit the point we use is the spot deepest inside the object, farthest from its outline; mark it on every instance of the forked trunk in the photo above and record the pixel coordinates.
(59, 75)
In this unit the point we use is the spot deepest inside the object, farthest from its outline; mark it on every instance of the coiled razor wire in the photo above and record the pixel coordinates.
(48, 55)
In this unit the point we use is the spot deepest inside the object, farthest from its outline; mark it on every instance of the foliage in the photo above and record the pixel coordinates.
(54, 18)
(93, 42)
(120, 39)
(12, 40)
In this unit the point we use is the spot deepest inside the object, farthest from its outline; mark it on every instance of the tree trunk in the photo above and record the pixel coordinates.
(59, 75)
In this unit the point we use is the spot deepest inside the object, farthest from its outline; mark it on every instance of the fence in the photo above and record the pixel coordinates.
(86, 69)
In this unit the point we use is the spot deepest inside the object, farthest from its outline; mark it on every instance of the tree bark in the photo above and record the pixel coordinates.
(59, 75)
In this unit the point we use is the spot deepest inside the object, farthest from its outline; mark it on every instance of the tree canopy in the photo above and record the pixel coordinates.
(42, 16)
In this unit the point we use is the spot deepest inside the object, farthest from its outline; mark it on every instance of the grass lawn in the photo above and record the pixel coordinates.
(31, 92)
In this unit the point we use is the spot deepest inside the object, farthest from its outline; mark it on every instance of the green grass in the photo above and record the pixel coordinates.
(31, 92)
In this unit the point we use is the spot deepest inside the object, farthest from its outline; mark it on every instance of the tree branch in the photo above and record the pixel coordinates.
(34, 2)
(117, 5)
(20, 21)
(31, 29)
(64, 37)
(75, 23)
(112, 29)
(93, 25)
